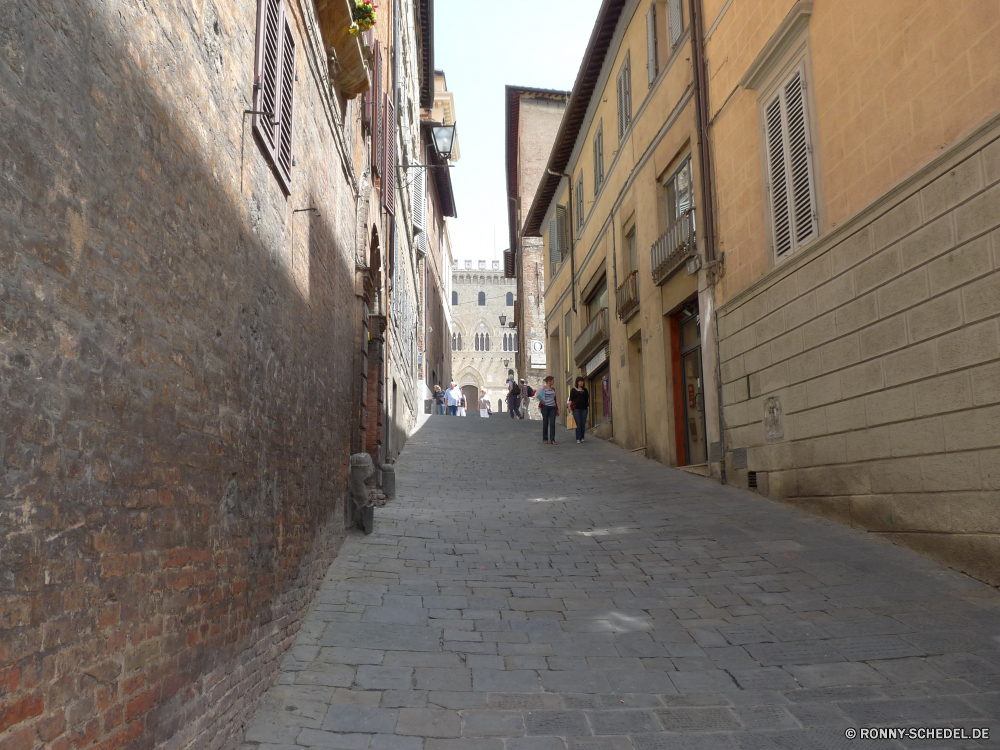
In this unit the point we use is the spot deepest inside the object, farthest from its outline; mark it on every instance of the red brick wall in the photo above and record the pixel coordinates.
(177, 359)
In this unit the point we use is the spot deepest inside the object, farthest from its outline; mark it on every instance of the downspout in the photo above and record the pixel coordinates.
(700, 76)
(572, 253)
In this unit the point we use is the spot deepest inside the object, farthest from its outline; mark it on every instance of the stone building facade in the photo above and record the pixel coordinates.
(194, 298)
(861, 358)
(482, 350)
(532, 118)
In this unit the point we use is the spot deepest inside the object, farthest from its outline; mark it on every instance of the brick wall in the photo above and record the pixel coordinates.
(880, 346)
(176, 372)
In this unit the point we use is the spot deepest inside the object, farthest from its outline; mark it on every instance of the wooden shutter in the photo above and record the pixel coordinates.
(676, 19)
(800, 167)
(377, 120)
(621, 104)
(624, 99)
(597, 167)
(286, 102)
(562, 231)
(266, 72)
(418, 201)
(791, 181)
(389, 171)
(652, 58)
(555, 257)
(579, 201)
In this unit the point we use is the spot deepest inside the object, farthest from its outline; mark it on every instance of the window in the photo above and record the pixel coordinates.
(454, 298)
(652, 58)
(460, 341)
(597, 301)
(510, 299)
(676, 20)
(598, 158)
(677, 190)
(504, 342)
(558, 244)
(486, 344)
(631, 252)
(579, 202)
(454, 342)
(482, 299)
(791, 186)
(624, 98)
(274, 87)
(477, 343)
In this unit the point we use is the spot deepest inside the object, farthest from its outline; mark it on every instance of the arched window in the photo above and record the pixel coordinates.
(510, 299)
(476, 342)
(454, 342)
(482, 298)
(487, 347)
(460, 342)
(504, 342)
(454, 298)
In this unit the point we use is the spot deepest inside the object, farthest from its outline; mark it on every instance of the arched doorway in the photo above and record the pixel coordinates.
(471, 399)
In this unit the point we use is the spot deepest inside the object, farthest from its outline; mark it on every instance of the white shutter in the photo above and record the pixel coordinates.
(621, 105)
(624, 99)
(419, 201)
(598, 159)
(800, 167)
(555, 257)
(676, 18)
(579, 201)
(652, 59)
(562, 231)
(791, 179)
(600, 148)
(781, 237)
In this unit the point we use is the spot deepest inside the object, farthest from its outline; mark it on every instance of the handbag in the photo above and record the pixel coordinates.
(570, 422)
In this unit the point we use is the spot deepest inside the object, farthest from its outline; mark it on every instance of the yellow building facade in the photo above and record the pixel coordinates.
(618, 214)
(856, 152)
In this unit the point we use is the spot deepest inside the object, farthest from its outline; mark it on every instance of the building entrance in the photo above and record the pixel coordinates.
(471, 400)
(692, 386)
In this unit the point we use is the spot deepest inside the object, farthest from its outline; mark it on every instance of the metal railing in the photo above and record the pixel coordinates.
(627, 296)
(670, 251)
(592, 338)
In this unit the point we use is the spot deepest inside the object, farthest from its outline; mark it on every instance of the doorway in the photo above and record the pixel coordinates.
(689, 397)
(471, 400)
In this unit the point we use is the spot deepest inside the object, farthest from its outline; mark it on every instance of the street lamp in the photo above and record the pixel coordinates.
(503, 320)
(506, 362)
(444, 140)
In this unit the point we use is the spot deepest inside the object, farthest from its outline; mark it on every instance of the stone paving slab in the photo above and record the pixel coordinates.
(515, 598)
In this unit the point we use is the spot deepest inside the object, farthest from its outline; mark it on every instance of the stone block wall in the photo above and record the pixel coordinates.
(176, 371)
(862, 378)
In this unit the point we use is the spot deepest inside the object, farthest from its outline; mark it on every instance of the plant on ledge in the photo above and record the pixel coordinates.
(364, 16)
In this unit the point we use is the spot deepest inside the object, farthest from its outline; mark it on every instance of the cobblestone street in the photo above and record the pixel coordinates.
(516, 596)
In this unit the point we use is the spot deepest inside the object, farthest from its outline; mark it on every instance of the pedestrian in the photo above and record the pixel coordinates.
(513, 397)
(454, 398)
(439, 400)
(579, 404)
(550, 410)
(462, 405)
(526, 393)
(484, 405)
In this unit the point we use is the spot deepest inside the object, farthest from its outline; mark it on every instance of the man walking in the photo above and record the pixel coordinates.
(454, 396)
(513, 397)
(526, 393)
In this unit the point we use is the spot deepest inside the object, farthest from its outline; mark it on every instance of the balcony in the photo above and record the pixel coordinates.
(352, 72)
(671, 251)
(593, 337)
(627, 297)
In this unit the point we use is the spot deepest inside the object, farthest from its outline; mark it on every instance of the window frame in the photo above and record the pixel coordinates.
(623, 87)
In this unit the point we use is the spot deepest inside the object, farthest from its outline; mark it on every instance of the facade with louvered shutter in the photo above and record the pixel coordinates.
(676, 20)
(617, 282)
(389, 167)
(859, 313)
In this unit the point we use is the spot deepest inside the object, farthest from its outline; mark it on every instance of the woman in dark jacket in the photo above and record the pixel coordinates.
(579, 403)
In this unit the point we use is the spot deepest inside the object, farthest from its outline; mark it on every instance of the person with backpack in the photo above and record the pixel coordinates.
(513, 397)
(579, 404)
(526, 393)
(550, 410)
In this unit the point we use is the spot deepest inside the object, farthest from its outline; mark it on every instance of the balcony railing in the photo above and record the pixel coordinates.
(593, 337)
(672, 249)
(627, 296)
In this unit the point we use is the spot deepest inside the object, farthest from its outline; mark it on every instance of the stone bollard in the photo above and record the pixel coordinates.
(362, 476)
(389, 480)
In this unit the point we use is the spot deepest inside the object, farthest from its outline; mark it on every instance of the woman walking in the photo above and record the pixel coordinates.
(462, 405)
(439, 402)
(579, 404)
(550, 410)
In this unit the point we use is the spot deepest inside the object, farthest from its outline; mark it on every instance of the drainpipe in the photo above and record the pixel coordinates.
(700, 75)
(572, 254)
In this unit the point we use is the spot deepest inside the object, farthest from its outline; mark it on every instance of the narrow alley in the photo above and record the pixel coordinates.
(520, 598)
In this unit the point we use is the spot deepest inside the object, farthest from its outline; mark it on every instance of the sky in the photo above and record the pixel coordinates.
(482, 47)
